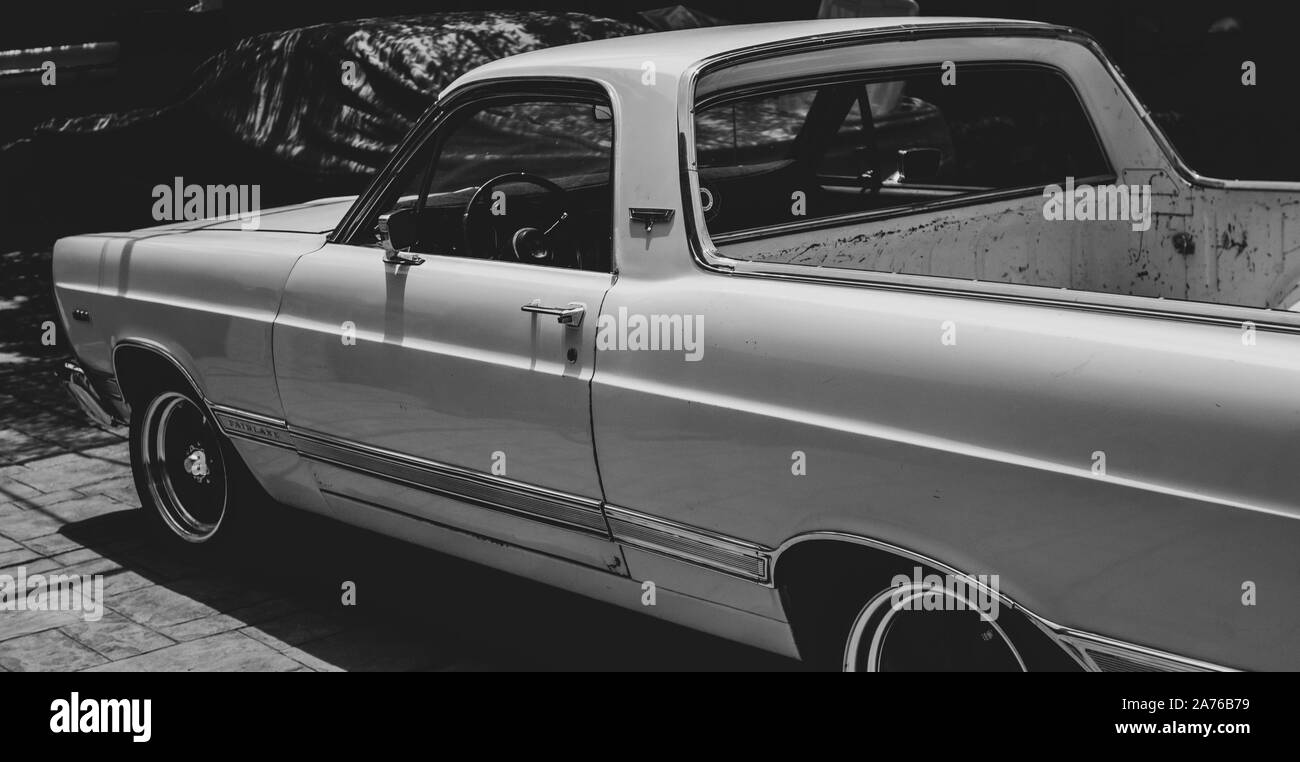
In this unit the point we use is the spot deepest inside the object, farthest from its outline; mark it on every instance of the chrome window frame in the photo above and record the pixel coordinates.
(708, 258)
(351, 231)
(886, 74)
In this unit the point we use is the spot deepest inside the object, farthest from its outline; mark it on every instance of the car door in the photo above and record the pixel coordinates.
(452, 382)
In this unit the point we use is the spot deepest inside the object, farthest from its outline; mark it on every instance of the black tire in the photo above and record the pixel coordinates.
(187, 474)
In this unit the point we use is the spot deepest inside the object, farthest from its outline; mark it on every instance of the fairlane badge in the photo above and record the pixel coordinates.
(247, 428)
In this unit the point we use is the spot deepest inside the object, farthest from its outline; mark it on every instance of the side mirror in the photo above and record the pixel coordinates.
(918, 165)
(397, 231)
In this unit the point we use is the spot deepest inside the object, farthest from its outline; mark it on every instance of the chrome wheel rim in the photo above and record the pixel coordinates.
(184, 467)
(894, 633)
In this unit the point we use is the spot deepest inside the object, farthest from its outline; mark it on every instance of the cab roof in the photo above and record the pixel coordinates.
(676, 51)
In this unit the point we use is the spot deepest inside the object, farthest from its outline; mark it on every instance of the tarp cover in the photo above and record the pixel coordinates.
(303, 113)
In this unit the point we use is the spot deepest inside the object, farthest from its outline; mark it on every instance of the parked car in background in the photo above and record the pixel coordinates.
(304, 113)
(773, 326)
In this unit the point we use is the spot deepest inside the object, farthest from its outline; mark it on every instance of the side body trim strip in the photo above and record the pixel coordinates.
(717, 552)
(493, 492)
(575, 512)
(692, 545)
(245, 425)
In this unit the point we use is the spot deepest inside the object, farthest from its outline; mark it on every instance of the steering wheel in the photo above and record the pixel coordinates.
(527, 244)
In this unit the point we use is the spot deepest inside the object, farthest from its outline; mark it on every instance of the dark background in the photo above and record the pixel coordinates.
(147, 51)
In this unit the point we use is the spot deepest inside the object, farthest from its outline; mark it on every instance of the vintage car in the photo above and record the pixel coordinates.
(779, 332)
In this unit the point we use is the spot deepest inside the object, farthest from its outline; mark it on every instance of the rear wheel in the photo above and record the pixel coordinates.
(186, 472)
(861, 609)
(912, 629)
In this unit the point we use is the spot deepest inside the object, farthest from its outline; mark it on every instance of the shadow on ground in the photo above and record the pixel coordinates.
(415, 609)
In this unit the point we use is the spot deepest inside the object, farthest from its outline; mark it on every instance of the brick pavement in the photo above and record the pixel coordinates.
(75, 514)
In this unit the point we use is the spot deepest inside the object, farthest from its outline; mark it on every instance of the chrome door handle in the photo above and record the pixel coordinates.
(570, 314)
(649, 216)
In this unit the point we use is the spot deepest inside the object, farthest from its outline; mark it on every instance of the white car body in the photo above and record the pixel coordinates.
(634, 466)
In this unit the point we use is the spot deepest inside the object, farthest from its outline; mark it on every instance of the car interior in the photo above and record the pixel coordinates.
(569, 228)
(525, 182)
(860, 146)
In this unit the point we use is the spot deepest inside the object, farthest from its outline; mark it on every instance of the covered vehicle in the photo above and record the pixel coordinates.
(302, 113)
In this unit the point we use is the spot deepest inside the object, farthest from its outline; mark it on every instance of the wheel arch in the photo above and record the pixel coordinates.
(807, 566)
(137, 362)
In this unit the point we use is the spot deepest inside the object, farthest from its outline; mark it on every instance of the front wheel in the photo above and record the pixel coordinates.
(184, 468)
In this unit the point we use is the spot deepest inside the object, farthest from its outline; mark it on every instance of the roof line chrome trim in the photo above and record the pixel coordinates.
(896, 33)
(707, 257)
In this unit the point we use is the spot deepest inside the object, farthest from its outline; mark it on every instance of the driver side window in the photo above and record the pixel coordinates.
(517, 179)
